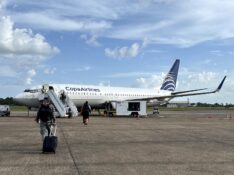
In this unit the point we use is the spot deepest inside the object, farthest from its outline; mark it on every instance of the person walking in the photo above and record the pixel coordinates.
(85, 111)
(45, 116)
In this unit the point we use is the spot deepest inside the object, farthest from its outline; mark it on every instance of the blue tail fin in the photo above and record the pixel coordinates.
(169, 82)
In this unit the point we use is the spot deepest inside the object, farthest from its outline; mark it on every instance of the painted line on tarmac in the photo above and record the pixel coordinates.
(70, 151)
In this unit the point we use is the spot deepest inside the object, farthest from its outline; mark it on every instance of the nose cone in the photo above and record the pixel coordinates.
(27, 99)
(20, 98)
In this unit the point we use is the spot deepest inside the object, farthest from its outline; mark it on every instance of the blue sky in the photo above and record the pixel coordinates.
(118, 43)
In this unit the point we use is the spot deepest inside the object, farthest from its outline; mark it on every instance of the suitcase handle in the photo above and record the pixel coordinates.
(55, 129)
(50, 133)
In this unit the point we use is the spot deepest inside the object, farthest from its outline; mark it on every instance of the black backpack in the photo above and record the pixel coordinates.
(86, 108)
(45, 113)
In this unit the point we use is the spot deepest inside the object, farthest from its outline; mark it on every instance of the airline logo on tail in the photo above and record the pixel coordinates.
(169, 82)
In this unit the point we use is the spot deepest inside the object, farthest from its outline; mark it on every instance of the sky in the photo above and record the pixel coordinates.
(127, 43)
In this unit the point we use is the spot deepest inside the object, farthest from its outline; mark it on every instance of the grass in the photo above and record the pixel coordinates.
(18, 108)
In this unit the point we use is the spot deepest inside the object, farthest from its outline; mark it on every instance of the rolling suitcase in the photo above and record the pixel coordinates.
(50, 142)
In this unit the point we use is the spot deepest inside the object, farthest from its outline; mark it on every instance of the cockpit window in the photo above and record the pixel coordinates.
(32, 90)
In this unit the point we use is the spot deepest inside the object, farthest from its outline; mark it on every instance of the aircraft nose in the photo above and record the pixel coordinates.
(19, 98)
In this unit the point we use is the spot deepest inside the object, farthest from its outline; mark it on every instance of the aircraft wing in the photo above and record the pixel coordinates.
(183, 93)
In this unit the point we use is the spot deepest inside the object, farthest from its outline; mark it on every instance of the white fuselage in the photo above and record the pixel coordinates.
(95, 95)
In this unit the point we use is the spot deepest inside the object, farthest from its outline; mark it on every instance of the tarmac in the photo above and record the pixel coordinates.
(172, 143)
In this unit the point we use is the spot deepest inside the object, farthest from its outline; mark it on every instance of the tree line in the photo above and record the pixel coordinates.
(8, 101)
(226, 105)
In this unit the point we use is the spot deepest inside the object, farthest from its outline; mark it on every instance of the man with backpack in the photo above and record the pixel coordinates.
(46, 118)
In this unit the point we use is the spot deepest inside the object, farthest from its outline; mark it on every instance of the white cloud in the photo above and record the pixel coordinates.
(194, 80)
(216, 53)
(30, 74)
(92, 40)
(123, 52)
(146, 41)
(58, 23)
(186, 24)
(180, 23)
(76, 9)
(21, 51)
(210, 80)
(50, 71)
(22, 41)
(104, 83)
(150, 82)
(221, 53)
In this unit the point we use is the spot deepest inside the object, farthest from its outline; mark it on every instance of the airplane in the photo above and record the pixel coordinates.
(98, 96)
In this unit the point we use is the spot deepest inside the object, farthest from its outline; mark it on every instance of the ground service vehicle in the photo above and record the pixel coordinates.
(5, 110)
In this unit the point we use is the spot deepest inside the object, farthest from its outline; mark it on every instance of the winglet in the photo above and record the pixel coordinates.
(220, 85)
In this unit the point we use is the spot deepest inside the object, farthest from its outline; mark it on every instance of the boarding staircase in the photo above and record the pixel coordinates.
(60, 107)
(69, 104)
(64, 106)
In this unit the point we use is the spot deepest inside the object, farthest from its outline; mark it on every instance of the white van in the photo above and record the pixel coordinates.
(5, 110)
